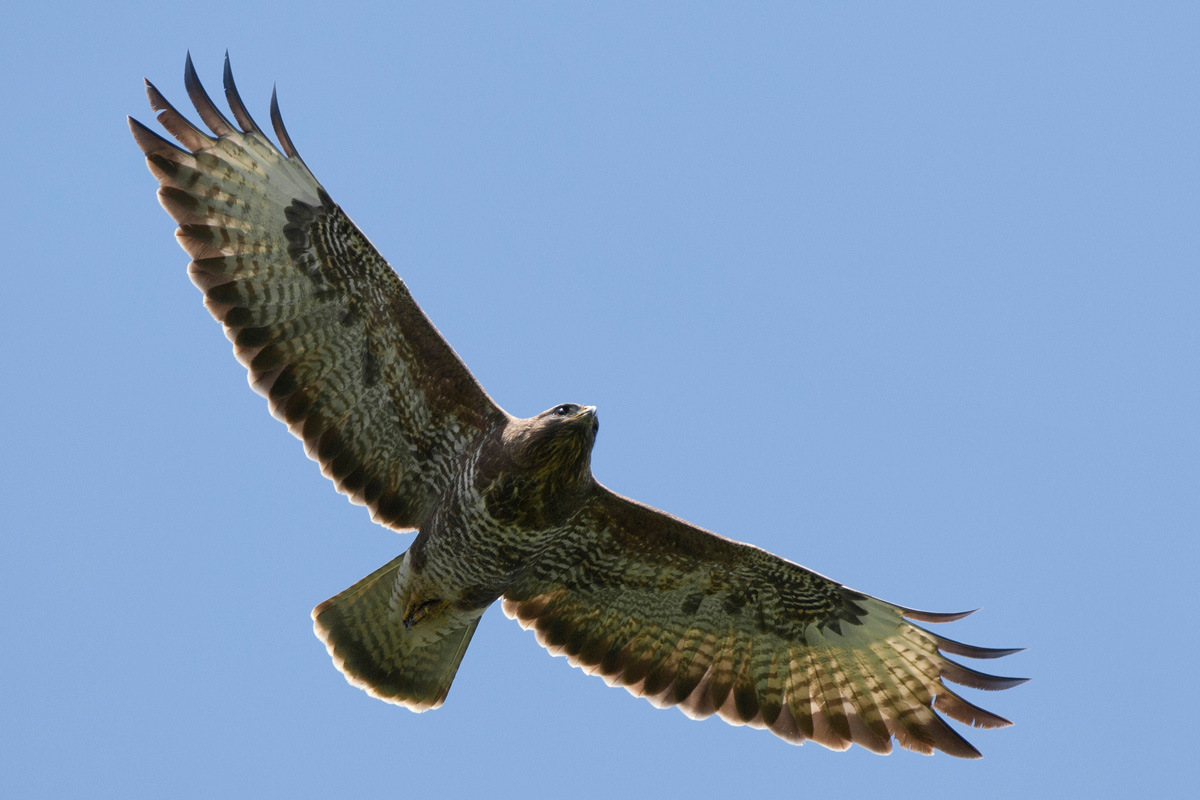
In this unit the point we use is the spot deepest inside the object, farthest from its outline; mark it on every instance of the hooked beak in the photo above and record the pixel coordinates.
(589, 411)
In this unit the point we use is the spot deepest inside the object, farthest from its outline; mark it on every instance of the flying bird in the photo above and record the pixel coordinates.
(507, 509)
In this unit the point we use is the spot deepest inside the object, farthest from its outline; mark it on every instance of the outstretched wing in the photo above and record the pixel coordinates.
(330, 334)
(683, 617)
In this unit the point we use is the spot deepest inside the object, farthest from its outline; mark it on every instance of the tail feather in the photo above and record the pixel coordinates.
(362, 630)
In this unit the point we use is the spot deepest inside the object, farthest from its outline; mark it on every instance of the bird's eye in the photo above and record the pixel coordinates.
(563, 410)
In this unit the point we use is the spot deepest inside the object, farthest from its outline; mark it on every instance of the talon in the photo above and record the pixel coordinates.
(419, 611)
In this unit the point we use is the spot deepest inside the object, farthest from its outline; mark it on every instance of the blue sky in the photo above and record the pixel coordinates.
(906, 293)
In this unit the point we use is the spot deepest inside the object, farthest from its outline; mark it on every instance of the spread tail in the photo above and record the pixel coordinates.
(363, 630)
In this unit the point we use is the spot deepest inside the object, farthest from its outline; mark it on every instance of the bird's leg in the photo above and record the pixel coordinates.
(416, 610)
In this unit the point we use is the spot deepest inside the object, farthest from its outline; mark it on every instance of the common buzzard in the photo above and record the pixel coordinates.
(505, 508)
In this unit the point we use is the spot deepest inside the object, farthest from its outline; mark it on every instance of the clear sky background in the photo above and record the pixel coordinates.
(905, 292)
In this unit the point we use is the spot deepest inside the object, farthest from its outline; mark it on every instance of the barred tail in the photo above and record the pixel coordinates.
(362, 630)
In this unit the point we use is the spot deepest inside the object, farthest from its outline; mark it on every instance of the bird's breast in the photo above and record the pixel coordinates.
(485, 533)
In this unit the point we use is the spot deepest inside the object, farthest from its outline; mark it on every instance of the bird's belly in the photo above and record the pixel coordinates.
(475, 557)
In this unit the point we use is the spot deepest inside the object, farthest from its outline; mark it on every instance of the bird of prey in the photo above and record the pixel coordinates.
(505, 508)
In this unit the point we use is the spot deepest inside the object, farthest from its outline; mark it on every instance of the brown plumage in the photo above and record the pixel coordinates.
(507, 508)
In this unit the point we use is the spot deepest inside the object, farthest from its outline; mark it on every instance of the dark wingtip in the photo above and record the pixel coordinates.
(967, 713)
(190, 79)
(208, 110)
(149, 141)
(235, 100)
(958, 673)
(153, 93)
(140, 132)
(933, 616)
(281, 133)
(970, 650)
(177, 124)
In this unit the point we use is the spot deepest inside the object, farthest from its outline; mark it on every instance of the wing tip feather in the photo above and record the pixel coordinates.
(281, 133)
(240, 112)
(205, 107)
(935, 616)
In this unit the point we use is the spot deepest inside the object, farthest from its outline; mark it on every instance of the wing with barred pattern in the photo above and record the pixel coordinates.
(328, 331)
(684, 617)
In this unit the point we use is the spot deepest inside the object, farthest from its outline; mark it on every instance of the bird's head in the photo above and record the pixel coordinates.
(558, 442)
(571, 416)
